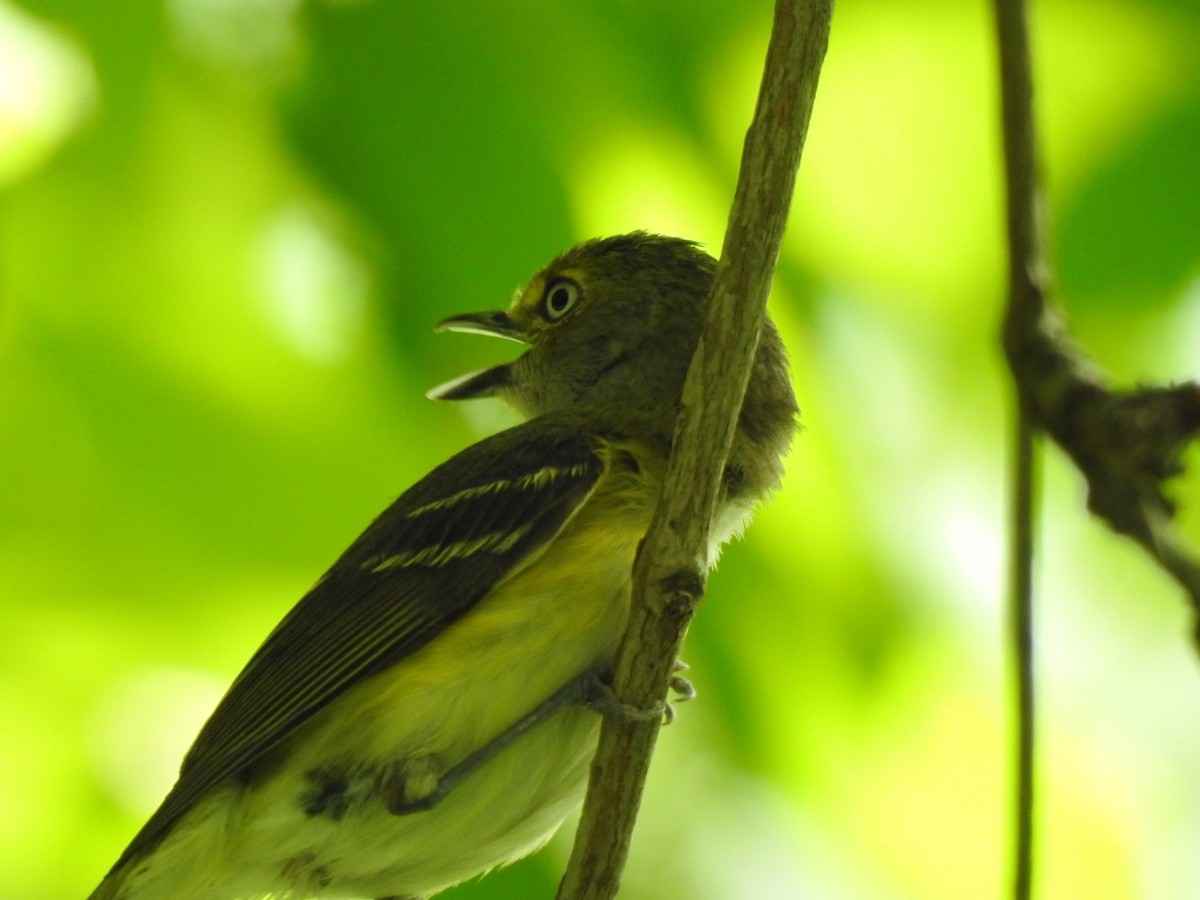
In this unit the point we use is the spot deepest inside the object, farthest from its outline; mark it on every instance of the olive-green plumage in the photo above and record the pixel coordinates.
(411, 722)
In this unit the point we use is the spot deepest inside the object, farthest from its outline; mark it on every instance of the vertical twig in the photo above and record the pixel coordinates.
(1021, 635)
(669, 574)
(1127, 444)
(1026, 303)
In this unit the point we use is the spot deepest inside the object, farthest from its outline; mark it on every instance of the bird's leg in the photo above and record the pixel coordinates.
(413, 785)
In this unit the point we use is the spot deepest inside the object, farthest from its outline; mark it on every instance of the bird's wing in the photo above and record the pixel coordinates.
(427, 560)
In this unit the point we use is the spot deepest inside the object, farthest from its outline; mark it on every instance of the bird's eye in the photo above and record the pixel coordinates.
(559, 298)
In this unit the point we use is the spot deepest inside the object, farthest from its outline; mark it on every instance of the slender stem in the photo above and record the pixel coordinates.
(668, 577)
(1024, 487)
(1026, 309)
(1127, 444)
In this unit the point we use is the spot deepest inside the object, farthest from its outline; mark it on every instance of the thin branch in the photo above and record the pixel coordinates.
(1026, 304)
(1020, 605)
(1126, 443)
(669, 575)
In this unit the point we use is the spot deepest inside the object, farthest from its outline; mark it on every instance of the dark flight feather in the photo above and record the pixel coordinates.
(497, 502)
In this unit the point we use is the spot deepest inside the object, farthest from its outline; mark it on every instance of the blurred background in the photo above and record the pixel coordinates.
(229, 226)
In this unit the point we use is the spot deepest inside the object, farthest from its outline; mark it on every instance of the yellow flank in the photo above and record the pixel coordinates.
(558, 617)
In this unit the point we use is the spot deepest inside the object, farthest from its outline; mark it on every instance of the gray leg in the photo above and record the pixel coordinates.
(410, 786)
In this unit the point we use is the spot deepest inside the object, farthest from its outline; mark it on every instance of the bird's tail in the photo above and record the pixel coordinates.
(113, 885)
(109, 889)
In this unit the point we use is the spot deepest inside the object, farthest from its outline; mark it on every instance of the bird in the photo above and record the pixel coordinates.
(427, 711)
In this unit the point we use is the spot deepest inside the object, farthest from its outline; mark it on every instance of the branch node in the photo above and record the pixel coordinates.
(683, 590)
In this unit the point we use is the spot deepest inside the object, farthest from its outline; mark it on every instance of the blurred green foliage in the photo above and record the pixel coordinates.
(228, 226)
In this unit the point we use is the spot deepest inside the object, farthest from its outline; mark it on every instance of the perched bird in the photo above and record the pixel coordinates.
(421, 715)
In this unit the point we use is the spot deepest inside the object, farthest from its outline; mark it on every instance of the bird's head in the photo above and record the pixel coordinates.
(612, 320)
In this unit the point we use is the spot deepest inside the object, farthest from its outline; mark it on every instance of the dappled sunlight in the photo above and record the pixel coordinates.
(315, 290)
(1181, 334)
(811, 509)
(1104, 69)
(230, 228)
(47, 91)
(647, 177)
(1091, 816)
(249, 38)
(896, 188)
(141, 728)
(754, 845)
(928, 783)
(935, 517)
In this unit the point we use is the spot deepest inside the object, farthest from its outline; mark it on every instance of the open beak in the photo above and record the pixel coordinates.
(486, 382)
(496, 324)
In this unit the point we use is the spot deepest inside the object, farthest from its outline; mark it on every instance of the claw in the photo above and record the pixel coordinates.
(601, 698)
(603, 701)
(683, 691)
